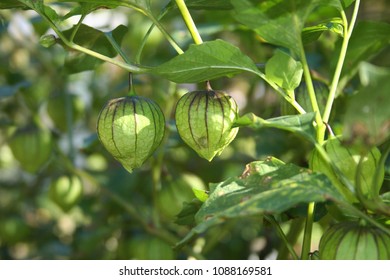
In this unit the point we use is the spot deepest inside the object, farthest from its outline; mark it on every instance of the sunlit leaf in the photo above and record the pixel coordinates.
(284, 71)
(265, 187)
(210, 60)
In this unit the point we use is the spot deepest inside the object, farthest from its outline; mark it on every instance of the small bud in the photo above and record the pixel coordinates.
(48, 40)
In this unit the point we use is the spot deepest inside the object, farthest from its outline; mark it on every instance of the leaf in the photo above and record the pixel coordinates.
(299, 124)
(207, 61)
(278, 22)
(367, 40)
(367, 119)
(209, 4)
(86, 8)
(95, 40)
(284, 71)
(187, 214)
(11, 4)
(266, 187)
(142, 5)
(42, 9)
(312, 33)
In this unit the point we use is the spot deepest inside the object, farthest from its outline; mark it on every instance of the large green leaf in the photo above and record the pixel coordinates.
(265, 187)
(204, 62)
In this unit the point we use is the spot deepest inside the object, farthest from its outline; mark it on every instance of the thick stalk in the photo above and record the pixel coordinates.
(189, 21)
(336, 77)
(312, 94)
(306, 245)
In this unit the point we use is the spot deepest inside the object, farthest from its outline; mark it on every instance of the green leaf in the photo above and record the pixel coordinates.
(312, 33)
(265, 187)
(86, 8)
(278, 22)
(284, 71)
(11, 4)
(204, 4)
(367, 119)
(95, 40)
(43, 10)
(299, 124)
(142, 5)
(368, 39)
(207, 61)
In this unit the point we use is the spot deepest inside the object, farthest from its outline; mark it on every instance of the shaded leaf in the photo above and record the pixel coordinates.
(207, 61)
(367, 40)
(312, 33)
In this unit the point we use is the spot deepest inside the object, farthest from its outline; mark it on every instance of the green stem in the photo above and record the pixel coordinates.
(294, 231)
(281, 92)
(76, 28)
(311, 92)
(119, 50)
(281, 234)
(306, 244)
(127, 66)
(189, 22)
(336, 77)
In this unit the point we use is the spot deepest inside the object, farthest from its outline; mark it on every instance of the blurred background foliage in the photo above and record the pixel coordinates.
(72, 200)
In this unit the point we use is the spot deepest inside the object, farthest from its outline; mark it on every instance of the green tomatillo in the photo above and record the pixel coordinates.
(205, 119)
(131, 128)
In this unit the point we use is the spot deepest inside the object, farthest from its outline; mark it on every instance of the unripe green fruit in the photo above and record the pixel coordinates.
(32, 147)
(353, 241)
(346, 159)
(204, 120)
(66, 191)
(57, 110)
(131, 128)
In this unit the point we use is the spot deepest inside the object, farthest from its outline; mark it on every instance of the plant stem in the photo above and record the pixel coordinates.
(117, 47)
(127, 66)
(336, 77)
(281, 234)
(306, 244)
(295, 229)
(311, 92)
(189, 22)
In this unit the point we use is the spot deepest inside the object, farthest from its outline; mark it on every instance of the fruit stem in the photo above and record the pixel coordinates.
(347, 32)
(189, 21)
(208, 86)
